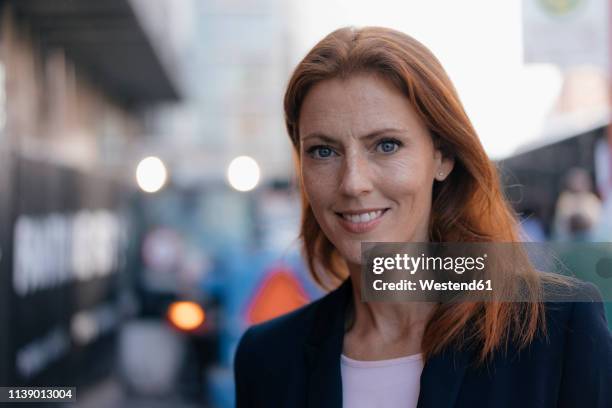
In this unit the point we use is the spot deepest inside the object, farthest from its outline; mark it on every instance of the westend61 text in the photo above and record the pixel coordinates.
(429, 284)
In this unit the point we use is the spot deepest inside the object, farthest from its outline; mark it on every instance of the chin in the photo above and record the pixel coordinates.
(351, 255)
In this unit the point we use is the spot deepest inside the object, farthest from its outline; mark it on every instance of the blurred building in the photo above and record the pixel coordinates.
(236, 65)
(574, 38)
(77, 79)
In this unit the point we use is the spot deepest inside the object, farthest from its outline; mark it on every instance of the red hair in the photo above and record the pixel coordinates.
(468, 206)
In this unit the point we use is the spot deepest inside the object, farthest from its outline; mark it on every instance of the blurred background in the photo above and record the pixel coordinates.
(147, 195)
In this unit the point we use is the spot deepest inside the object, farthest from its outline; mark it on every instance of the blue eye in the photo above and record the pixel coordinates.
(388, 146)
(320, 152)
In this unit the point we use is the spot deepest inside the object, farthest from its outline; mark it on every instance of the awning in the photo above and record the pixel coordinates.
(106, 40)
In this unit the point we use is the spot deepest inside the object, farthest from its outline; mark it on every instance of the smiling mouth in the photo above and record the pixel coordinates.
(364, 217)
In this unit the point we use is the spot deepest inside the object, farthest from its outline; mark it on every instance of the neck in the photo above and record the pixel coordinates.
(388, 320)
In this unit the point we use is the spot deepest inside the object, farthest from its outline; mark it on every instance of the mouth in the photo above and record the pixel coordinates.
(361, 221)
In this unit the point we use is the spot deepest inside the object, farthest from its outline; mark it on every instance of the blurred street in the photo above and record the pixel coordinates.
(109, 393)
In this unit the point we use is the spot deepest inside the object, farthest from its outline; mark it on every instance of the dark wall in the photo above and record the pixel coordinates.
(63, 210)
(5, 262)
(5, 199)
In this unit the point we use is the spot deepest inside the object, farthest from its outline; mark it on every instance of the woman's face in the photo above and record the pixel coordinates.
(367, 163)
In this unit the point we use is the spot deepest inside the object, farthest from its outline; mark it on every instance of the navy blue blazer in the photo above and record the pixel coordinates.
(294, 361)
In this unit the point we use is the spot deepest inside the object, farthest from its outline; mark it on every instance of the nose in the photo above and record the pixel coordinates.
(356, 178)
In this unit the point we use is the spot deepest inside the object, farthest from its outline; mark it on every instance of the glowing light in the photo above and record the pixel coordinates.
(243, 173)
(186, 315)
(151, 174)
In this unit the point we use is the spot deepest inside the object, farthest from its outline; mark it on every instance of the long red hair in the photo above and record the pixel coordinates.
(469, 206)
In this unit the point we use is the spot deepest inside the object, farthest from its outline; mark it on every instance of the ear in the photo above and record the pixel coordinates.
(443, 165)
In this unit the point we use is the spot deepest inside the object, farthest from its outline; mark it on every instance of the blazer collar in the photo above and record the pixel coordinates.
(442, 378)
(324, 347)
(440, 381)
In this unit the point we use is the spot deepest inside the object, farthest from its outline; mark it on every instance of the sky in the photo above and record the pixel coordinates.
(479, 43)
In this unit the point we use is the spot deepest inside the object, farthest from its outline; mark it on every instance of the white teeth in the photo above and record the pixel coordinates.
(365, 217)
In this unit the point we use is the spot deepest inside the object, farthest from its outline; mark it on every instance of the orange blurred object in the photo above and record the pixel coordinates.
(280, 293)
(186, 315)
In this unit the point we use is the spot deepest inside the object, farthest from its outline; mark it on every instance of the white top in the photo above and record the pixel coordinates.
(382, 383)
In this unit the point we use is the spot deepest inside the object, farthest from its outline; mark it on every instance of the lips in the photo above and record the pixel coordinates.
(361, 221)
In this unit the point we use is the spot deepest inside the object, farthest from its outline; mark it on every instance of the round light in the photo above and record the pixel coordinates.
(151, 174)
(186, 315)
(243, 173)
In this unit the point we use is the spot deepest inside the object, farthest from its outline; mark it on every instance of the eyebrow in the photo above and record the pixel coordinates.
(369, 136)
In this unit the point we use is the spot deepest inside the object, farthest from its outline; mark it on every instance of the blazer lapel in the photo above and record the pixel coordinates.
(441, 379)
(324, 347)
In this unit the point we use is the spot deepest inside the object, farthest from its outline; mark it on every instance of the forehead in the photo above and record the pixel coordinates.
(355, 105)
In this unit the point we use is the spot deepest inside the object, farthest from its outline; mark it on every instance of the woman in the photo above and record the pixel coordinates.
(385, 152)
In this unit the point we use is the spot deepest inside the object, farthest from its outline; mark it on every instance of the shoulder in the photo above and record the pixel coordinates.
(295, 327)
(587, 351)
(269, 353)
(569, 366)
(278, 332)
(587, 325)
(573, 323)
(574, 306)
(274, 354)
(279, 338)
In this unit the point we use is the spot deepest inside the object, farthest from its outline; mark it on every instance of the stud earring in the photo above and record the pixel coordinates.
(440, 174)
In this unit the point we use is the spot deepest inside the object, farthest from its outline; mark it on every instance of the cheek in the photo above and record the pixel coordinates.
(319, 186)
(407, 176)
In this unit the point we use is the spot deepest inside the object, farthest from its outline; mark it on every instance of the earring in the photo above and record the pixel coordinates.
(441, 174)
